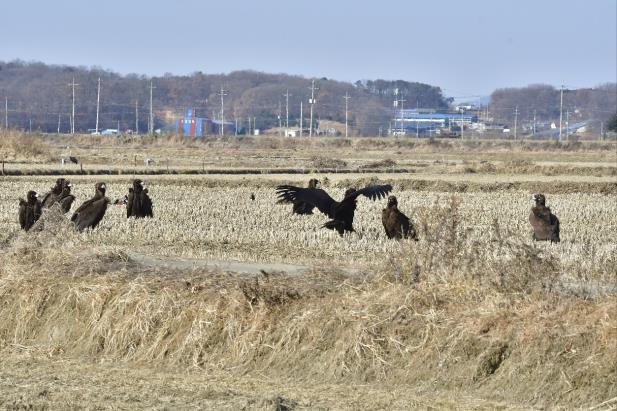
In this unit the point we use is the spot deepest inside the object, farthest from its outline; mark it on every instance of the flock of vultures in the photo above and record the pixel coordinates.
(91, 212)
(341, 213)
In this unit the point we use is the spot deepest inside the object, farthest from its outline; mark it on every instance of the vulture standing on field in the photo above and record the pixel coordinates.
(138, 204)
(50, 198)
(396, 223)
(64, 198)
(29, 210)
(302, 207)
(91, 212)
(340, 212)
(545, 224)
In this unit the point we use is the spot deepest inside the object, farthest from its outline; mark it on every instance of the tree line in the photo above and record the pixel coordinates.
(39, 97)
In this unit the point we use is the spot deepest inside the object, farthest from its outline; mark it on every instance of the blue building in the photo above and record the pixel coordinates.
(190, 125)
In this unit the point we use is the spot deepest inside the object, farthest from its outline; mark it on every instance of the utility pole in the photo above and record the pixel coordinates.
(312, 103)
(534, 123)
(462, 124)
(560, 111)
(286, 109)
(72, 84)
(136, 117)
(151, 122)
(98, 100)
(567, 123)
(346, 112)
(515, 121)
(402, 119)
(394, 107)
(222, 94)
(58, 123)
(280, 120)
(6, 113)
(301, 115)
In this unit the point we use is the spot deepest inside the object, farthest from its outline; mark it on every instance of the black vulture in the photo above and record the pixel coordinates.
(341, 213)
(397, 224)
(138, 204)
(302, 207)
(29, 210)
(64, 198)
(545, 224)
(91, 212)
(50, 198)
(252, 196)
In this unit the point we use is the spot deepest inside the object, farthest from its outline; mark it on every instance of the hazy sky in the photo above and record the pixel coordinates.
(468, 48)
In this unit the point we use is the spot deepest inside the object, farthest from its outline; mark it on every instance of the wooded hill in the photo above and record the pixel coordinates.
(41, 94)
(39, 97)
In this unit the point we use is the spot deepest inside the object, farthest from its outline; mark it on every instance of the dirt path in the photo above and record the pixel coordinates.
(38, 383)
(178, 263)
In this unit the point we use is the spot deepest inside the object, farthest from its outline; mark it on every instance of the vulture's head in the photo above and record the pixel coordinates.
(539, 199)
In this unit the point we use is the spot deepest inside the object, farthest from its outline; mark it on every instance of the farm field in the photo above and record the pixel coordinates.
(315, 321)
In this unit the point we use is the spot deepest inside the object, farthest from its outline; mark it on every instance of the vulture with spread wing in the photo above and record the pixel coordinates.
(341, 212)
(299, 206)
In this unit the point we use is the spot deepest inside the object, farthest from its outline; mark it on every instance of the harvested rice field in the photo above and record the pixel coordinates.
(225, 302)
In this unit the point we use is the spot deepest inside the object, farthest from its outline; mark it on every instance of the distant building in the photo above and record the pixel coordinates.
(190, 125)
(412, 121)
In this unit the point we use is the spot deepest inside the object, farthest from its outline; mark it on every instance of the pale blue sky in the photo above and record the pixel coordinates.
(467, 48)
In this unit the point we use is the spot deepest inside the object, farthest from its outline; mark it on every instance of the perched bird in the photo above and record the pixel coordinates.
(91, 212)
(397, 224)
(50, 198)
(252, 196)
(138, 204)
(340, 212)
(545, 224)
(29, 210)
(302, 207)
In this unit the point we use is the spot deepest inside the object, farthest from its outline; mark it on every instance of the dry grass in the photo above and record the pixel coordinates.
(16, 145)
(442, 328)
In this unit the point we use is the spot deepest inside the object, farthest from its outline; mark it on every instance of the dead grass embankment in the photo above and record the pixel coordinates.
(15, 145)
(440, 320)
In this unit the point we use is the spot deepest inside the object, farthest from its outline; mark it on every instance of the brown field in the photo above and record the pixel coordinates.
(220, 302)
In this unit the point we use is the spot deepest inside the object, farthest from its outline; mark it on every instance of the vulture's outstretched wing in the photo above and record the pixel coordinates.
(373, 192)
(314, 196)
